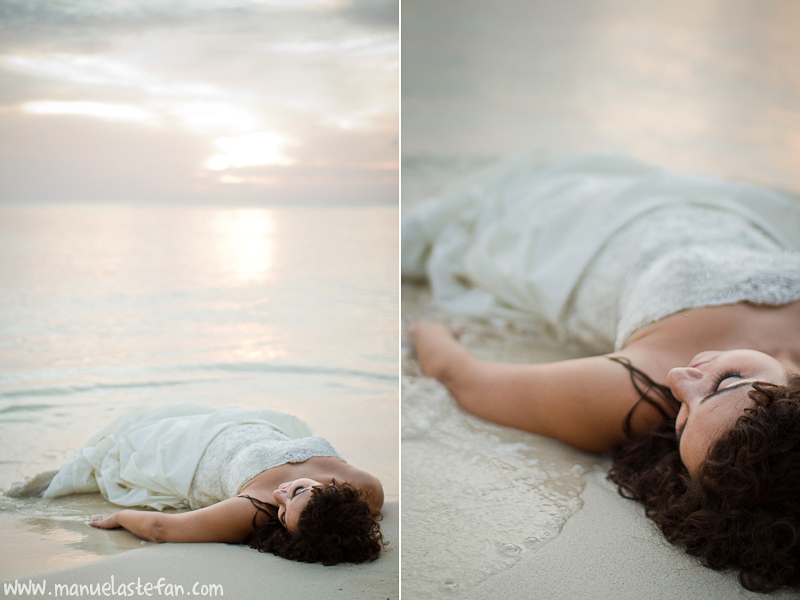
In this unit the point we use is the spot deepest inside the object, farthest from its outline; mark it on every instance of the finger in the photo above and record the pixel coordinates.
(97, 521)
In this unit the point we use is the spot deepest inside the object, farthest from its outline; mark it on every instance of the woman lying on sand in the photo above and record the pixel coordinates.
(254, 476)
(698, 283)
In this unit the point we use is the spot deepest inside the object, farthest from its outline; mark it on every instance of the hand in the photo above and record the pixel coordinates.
(437, 347)
(105, 522)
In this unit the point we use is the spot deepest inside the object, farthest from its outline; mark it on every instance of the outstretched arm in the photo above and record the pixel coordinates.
(230, 521)
(581, 402)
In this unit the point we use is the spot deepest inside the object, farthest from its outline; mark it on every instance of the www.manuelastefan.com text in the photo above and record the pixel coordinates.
(111, 588)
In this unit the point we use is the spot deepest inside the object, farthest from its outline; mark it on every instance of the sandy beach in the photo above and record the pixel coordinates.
(610, 550)
(205, 570)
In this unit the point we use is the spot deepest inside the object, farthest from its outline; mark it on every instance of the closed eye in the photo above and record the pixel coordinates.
(729, 388)
(726, 375)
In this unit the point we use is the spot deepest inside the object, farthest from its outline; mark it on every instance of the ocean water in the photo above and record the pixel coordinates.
(104, 307)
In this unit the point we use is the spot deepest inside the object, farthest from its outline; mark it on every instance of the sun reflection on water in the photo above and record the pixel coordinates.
(245, 243)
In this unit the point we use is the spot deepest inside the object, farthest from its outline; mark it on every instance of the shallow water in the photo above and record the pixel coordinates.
(476, 498)
(104, 307)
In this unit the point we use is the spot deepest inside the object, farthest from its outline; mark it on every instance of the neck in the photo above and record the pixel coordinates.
(268, 507)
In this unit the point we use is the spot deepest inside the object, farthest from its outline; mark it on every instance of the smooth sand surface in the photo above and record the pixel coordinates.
(238, 571)
(610, 550)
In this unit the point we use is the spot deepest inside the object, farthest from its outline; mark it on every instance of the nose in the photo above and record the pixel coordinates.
(681, 380)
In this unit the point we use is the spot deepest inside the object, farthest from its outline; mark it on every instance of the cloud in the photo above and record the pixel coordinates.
(100, 110)
(59, 157)
(213, 71)
(382, 12)
(99, 25)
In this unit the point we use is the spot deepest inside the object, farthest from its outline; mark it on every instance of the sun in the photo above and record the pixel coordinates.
(251, 150)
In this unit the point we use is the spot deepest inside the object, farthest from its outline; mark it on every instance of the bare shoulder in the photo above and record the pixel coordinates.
(366, 482)
(774, 330)
(324, 469)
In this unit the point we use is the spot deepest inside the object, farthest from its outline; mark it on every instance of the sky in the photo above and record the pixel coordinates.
(251, 101)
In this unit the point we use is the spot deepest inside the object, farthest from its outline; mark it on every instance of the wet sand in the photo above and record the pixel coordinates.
(236, 571)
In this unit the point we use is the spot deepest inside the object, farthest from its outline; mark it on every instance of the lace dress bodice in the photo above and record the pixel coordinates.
(240, 452)
(676, 258)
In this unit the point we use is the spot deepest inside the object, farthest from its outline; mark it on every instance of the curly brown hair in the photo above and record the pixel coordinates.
(742, 509)
(337, 525)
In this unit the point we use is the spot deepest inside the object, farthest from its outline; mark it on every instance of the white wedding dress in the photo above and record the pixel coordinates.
(184, 455)
(594, 248)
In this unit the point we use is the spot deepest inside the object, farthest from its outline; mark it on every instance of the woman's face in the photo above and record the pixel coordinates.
(292, 498)
(713, 392)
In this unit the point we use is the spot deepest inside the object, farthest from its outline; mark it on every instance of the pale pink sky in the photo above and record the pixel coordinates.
(252, 101)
